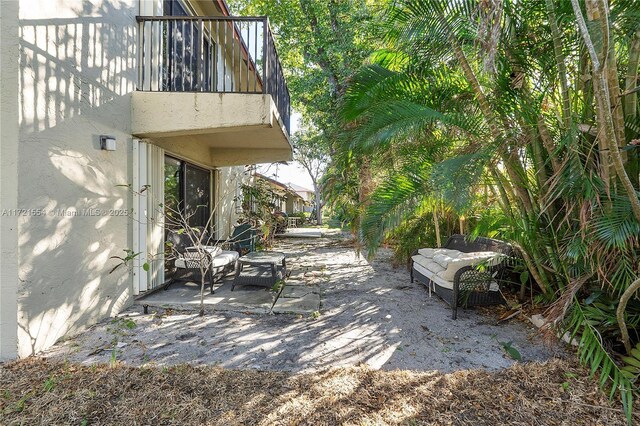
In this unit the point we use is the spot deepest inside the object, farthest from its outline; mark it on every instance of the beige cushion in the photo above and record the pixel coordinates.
(438, 280)
(225, 258)
(220, 257)
(444, 259)
(469, 259)
(430, 252)
(213, 250)
(180, 263)
(427, 263)
(433, 277)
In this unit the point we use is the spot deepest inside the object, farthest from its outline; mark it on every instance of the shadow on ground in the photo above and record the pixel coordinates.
(371, 314)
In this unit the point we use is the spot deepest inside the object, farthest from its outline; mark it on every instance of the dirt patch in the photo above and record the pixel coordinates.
(37, 391)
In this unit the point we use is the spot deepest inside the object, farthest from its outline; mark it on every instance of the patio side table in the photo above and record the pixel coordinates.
(265, 269)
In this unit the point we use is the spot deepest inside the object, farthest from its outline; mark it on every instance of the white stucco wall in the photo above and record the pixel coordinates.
(228, 180)
(8, 181)
(77, 72)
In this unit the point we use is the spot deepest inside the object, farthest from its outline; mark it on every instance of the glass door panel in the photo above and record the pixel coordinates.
(172, 189)
(197, 195)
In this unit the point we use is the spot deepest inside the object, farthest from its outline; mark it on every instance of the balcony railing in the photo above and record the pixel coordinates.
(211, 54)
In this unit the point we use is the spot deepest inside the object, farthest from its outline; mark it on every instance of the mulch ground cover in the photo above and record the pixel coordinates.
(36, 391)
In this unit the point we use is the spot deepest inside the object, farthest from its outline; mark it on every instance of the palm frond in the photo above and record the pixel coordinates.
(594, 354)
(457, 179)
(392, 201)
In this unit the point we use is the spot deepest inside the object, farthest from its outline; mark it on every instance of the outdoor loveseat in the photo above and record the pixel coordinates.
(463, 273)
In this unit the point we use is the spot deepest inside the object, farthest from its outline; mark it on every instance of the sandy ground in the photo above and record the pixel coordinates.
(370, 314)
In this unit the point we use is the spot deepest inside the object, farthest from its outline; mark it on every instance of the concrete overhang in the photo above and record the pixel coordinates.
(216, 129)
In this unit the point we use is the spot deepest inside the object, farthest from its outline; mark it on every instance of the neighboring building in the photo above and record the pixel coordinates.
(308, 195)
(294, 203)
(170, 98)
(285, 199)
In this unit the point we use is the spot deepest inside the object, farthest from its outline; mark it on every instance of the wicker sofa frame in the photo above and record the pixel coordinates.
(470, 285)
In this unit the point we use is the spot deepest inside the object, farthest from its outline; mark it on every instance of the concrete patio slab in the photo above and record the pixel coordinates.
(186, 296)
(305, 305)
(309, 233)
(295, 291)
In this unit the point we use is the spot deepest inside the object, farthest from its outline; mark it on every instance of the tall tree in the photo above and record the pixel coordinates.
(313, 158)
(321, 43)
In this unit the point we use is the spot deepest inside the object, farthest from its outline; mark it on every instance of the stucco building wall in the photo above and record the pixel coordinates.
(77, 71)
(230, 180)
(8, 181)
(69, 71)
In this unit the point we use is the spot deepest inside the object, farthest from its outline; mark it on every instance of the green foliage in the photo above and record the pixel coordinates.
(119, 324)
(321, 44)
(632, 368)
(113, 359)
(50, 383)
(389, 204)
(480, 90)
(125, 261)
(594, 353)
(278, 286)
(413, 233)
(511, 351)
(259, 208)
(129, 323)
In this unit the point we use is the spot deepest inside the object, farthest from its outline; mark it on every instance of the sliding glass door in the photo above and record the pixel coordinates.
(187, 193)
(197, 190)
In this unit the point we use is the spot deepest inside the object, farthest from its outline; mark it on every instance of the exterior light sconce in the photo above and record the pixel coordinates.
(108, 143)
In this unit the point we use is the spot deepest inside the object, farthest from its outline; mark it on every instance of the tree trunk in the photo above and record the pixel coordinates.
(631, 80)
(614, 97)
(562, 69)
(549, 145)
(366, 181)
(436, 225)
(630, 101)
(514, 168)
(606, 121)
(624, 299)
(519, 186)
(318, 199)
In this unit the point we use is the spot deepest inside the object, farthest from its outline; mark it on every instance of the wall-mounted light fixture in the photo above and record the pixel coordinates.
(108, 143)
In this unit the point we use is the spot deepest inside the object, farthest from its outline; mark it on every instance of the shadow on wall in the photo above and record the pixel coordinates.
(70, 66)
(77, 74)
(229, 190)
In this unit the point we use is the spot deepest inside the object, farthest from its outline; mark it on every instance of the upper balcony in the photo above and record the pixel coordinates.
(212, 89)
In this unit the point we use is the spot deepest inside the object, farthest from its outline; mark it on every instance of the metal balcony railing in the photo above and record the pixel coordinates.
(211, 54)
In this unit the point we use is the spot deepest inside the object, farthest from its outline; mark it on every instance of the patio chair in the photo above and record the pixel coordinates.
(243, 239)
(216, 262)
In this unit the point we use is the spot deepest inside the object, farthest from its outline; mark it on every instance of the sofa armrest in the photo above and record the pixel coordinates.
(467, 280)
